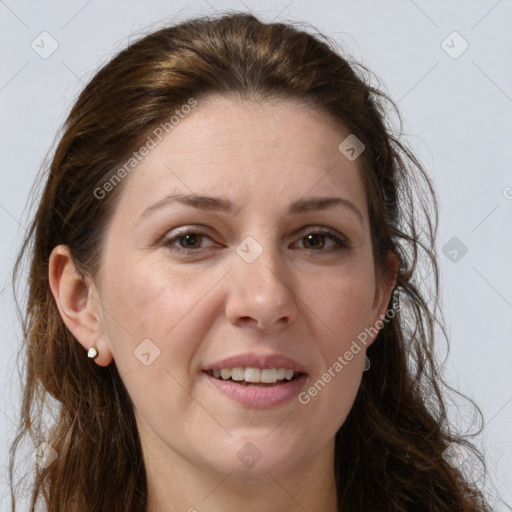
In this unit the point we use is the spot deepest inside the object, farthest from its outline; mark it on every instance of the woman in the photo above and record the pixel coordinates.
(230, 232)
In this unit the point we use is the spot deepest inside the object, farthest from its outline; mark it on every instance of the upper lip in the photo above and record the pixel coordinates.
(258, 361)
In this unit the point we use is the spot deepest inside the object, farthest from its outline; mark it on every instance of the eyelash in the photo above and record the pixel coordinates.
(333, 235)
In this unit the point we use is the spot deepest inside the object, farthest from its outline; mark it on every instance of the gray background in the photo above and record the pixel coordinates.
(457, 114)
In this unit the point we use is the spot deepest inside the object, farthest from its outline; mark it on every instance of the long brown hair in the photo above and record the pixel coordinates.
(389, 451)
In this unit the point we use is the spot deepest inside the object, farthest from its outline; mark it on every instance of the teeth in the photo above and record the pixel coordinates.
(252, 375)
(255, 375)
(237, 374)
(269, 375)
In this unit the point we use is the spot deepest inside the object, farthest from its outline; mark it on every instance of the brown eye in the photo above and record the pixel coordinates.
(315, 241)
(318, 241)
(190, 241)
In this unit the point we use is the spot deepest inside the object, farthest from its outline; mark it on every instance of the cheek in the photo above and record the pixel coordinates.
(342, 311)
(155, 326)
(342, 304)
(144, 303)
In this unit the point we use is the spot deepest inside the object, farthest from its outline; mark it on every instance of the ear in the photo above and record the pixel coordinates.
(383, 290)
(78, 304)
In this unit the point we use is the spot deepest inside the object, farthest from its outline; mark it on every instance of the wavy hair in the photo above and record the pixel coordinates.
(389, 453)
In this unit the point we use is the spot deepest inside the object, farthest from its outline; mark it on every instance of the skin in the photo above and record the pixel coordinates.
(301, 297)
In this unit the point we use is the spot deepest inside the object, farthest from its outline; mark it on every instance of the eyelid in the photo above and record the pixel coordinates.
(168, 240)
(341, 241)
(321, 229)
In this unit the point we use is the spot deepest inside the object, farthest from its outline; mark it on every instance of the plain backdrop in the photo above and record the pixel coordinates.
(446, 64)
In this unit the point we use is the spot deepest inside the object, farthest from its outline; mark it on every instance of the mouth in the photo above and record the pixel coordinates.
(255, 377)
(246, 386)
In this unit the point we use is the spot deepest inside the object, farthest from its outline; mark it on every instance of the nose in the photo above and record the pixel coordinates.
(260, 293)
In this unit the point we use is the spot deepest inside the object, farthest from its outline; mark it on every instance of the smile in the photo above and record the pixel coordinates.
(254, 375)
(253, 391)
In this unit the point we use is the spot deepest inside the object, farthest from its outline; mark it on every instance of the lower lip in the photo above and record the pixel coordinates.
(264, 397)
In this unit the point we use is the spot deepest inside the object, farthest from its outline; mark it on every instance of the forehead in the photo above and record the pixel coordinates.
(227, 125)
(269, 150)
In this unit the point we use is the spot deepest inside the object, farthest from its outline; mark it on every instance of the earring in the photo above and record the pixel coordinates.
(366, 363)
(394, 300)
(93, 352)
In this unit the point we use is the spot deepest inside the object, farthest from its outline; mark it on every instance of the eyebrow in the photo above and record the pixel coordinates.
(224, 205)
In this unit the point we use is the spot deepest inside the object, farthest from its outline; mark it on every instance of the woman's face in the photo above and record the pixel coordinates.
(186, 283)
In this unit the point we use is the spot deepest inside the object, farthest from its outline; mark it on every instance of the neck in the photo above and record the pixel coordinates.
(177, 484)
